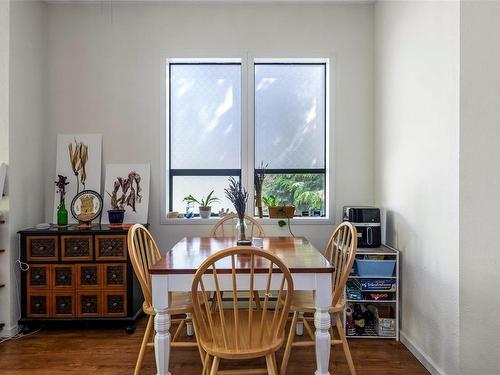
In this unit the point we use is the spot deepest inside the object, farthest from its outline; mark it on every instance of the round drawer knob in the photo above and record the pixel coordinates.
(37, 277)
(76, 248)
(41, 248)
(63, 277)
(88, 304)
(110, 247)
(63, 304)
(37, 305)
(87, 276)
(113, 276)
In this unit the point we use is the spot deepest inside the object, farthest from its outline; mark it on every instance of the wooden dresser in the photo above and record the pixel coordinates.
(78, 274)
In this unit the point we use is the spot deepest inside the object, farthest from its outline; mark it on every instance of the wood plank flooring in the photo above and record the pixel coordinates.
(112, 351)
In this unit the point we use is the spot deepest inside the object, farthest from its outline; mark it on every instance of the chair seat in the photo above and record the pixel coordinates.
(180, 303)
(304, 301)
(250, 344)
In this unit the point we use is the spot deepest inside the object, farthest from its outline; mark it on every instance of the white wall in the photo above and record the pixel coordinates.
(480, 188)
(105, 70)
(4, 153)
(27, 129)
(416, 149)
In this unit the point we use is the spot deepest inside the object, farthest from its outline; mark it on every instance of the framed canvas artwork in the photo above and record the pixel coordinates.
(78, 158)
(128, 186)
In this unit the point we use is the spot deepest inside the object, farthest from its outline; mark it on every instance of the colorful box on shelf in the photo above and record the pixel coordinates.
(375, 267)
(370, 285)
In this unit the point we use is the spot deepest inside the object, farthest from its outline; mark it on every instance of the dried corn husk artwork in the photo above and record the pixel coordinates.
(78, 157)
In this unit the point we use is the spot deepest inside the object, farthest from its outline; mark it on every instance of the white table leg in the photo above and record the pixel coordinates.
(322, 322)
(162, 323)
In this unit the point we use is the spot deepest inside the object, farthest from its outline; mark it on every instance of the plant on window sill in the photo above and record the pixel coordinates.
(204, 204)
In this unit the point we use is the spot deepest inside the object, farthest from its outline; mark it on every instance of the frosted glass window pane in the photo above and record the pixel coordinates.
(200, 187)
(290, 115)
(205, 115)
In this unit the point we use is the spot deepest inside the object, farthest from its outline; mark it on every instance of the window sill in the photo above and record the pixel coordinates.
(264, 221)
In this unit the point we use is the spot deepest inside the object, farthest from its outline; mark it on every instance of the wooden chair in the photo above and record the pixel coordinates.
(226, 227)
(340, 251)
(241, 332)
(143, 253)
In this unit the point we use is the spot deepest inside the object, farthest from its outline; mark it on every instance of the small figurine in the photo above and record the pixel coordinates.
(223, 213)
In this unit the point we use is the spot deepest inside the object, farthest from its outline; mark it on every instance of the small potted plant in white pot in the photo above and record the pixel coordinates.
(204, 204)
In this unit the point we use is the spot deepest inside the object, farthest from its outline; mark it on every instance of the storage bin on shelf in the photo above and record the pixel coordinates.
(375, 267)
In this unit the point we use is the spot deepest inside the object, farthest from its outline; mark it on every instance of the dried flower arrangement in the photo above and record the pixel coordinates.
(259, 176)
(239, 197)
(78, 157)
(129, 194)
(61, 186)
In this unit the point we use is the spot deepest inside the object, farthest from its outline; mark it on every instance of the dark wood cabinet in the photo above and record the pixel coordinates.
(78, 274)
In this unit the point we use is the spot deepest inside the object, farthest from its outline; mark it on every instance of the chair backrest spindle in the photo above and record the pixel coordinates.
(341, 252)
(229, 222)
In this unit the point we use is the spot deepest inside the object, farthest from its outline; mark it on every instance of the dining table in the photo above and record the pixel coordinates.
(175, 271)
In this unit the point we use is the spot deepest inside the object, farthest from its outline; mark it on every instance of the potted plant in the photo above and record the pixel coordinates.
(278, 211)
(204, 204)
(129, 195)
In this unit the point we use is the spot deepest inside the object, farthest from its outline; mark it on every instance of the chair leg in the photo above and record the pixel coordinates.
(270, 364)
(202, 352)
(145, 339)
(178, 330)
(345, 345)
(288, 346)
(215, 366)
(206, 364)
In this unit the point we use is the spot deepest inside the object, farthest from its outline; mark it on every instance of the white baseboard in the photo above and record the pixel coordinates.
(9, 331)
(422, 357)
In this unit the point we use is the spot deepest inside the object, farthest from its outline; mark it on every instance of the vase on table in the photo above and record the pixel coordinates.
(241, 228)
(62, 213)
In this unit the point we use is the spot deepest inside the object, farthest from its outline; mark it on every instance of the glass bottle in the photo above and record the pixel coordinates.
(62, 214)
(241, 228)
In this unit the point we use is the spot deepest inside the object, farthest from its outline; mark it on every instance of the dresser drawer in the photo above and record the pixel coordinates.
(77, 248)
(38, 304)
(39, 277)
(89, 276)
(115, 275)
(63, 304)
(111, 247)
(63, 276)
(114, 303)
(41, 248)
(89, 303)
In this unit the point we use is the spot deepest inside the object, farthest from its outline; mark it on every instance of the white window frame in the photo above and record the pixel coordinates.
(248, 62)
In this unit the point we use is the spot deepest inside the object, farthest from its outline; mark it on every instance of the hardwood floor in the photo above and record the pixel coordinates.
(112, 351)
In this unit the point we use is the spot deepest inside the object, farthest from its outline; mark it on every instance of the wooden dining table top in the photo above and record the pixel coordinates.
(298, 254)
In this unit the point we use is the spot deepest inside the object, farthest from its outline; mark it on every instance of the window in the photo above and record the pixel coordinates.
(205, 130)
(208, 142)
(290, 133)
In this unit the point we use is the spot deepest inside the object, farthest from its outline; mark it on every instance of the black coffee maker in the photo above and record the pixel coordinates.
(367, 223)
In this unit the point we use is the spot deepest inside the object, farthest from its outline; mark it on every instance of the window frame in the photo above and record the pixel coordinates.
(248, 62)
(325, 140)
(192, 172)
